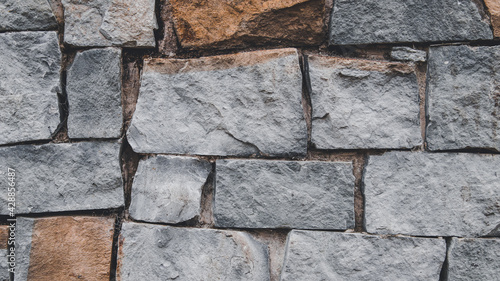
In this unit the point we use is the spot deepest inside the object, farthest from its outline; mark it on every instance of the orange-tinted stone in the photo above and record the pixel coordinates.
(4, 236)
(494, 9)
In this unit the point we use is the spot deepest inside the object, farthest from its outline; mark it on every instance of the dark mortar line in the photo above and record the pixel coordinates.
(417, 44)
(34, 142)
(306, 94)
(360, 226)
(207, 202)
(491, 151)
(76, 213)
(443, 275)
(113, 271)
(159, 33)
(129, 162)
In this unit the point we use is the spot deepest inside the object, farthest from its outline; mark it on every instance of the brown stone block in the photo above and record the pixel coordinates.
(4, 236)
(494, 9)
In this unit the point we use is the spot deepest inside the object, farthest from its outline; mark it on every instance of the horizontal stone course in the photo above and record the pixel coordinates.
(26, 15)
(474, 259)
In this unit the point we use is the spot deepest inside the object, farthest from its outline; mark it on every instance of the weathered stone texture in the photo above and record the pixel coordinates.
(318, 255)
(4, 266)
(446, 194)
(474, 259)
(494, 11)
(64, 248)
(363, 104)
(110, 23)
(153, 252)
(29, 80)
(226, 24)
(463, 97)
(240, 104)
(284, 194)
(408, 54)
(168, 189)
(63, 177)
(26, 15)
(394, 21)
(94, 94)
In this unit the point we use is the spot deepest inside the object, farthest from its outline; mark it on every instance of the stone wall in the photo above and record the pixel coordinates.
(250, 140)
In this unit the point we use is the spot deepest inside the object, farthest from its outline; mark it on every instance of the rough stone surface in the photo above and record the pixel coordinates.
(363, 104)
(226, 24)
(494, 11)
(109, 23)
(4, 267)
(154, 252)
(63, 177)
(317, 255)
(241, 104)
(463, 97)
(26, 15)
(446, 194)
(408, 54)
(29, 80)
(168, 189)
(474, 259)
(64, 248)
(94, 94)
(394, 21)
(284, 194)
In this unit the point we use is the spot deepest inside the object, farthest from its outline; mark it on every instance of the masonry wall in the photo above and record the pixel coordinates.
(250, 140)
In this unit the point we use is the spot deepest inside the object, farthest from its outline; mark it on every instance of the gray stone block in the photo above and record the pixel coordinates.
(284, 194)
(427, 194)
(154, 252)
(30, 80)
(394, 21)
(26, 15)
(363, 104)
(408, 54)
(319, 255)
(94, 94)
(463, 98)
(240, 104)
(109, 23)
(4, 266)
(63, 177)
(168, 189)
(474, 259)
(24, 231)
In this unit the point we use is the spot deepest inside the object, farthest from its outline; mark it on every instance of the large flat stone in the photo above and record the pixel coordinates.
(26, 15)
(463, 97)
(363, 104)
(154, 252)
(109, 23)
(29, 75)
(318, 255)
(168, 189)
(446, 194)
(241, 104)
(394, 21)
(474, 259)
(284, 194)
(94, 94)
(63, 177)
(494, 11)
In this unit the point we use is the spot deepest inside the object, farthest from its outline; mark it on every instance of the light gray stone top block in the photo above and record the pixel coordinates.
(24, 15)
(157, 253)
(168, 189)
(94, 94)
(361, 104)
(284, 194)
(463, 98)
(395, 21)
(318, 255)
(408, 54)
(428, 194)
(109, 23)
(63, 177)
(30, 80)
(240, 104)
(474, 259)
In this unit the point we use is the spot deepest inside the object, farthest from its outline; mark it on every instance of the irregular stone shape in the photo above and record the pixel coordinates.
(319, 255)
(109, 23)
(424, 194)
(64, 248)
(168, 189)
(94, 94)
(463, 99)
(26, 15)
(474, 259)
(408, 54)
(155, 252)
(284, 194)
(29, 75)
(202, 24)
(240, 104)
(494, 11)
(4, 266)
(363, 104)
(394, 21)
(63, 177)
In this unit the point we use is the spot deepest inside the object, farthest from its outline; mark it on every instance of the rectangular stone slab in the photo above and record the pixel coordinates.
(474, 259)
(429, 194)
(284, 194)
(319, 255)
(240, 104)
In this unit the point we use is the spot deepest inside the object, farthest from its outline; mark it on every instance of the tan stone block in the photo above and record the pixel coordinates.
(4, 236)
(494, 9)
